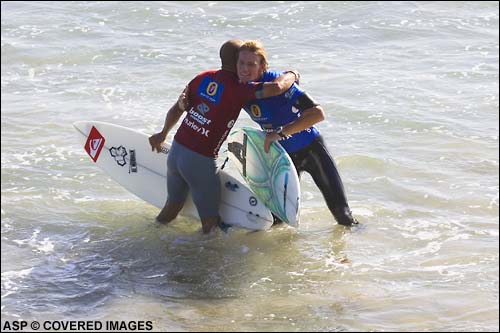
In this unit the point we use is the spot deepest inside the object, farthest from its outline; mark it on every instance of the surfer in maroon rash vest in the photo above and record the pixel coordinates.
(215, 100)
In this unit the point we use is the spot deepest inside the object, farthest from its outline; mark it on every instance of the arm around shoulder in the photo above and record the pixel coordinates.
(281, 84)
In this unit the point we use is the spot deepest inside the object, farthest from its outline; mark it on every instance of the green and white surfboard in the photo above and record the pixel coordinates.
(271, 176)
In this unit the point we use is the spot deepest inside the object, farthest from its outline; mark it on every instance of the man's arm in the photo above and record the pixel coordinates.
(281, 84)
(313, 113)
(308, 118)
(173, 116)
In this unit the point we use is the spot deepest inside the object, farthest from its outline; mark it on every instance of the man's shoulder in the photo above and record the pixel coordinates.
(203, 77)
(270, 75)
(220, 75)
(210, 72)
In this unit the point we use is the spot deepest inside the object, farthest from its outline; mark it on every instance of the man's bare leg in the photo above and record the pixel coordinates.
(169, 212)
(209, 223)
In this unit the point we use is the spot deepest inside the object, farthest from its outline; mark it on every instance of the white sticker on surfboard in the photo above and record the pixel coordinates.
(271, 176)
(126, 156)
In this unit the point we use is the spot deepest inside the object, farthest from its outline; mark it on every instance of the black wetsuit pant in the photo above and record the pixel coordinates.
(317, 161)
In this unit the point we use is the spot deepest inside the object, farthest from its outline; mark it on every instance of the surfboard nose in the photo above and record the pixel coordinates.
(82, 126)
(78, 124)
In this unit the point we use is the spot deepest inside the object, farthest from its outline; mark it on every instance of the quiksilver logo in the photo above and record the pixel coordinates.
(94, 144)
(94, 147)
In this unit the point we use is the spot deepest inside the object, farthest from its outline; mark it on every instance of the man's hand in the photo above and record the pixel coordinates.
(270, 138)
(156, 140)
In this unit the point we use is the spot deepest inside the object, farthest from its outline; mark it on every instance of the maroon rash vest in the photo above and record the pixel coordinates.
(216, 98)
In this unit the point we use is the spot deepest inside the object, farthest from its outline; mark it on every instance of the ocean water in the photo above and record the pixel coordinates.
(410, 90)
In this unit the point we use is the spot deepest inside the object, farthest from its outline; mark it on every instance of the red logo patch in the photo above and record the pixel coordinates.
(94, 144)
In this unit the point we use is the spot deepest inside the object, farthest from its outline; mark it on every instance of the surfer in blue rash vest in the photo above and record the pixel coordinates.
(289, 118)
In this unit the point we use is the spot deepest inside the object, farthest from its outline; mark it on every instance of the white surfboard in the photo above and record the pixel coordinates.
(271, 176)
(126, 156)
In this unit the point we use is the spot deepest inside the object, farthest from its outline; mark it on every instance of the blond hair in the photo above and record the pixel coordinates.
(256, 47)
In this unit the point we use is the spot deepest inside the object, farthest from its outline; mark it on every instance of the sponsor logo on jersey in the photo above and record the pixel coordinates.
(198, 129)
(211, 90)
(202, 108)
(255, 111)
(199, 117)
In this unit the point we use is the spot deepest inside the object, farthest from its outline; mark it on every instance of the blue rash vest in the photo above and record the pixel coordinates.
(277, 111)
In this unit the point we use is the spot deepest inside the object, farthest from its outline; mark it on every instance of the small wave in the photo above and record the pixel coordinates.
(11, 280)
(42, 246)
